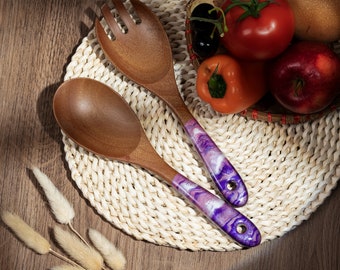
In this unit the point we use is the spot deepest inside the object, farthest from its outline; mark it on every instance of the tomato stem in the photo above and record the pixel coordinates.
(217, 85)
(219, 23)
(251, 8)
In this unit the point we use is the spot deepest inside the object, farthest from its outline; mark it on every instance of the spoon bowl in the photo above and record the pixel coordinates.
(101, 121)
(111, 119)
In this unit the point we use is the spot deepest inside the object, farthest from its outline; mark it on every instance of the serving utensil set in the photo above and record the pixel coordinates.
(98, 119)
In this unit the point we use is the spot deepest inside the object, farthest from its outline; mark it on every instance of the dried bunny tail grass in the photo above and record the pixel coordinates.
(61, 208)
(113, 257)
(30, 237)
(66, 267)
(86, 256)
(25, 233)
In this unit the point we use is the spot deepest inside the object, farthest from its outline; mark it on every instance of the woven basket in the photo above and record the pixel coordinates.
(267, 109)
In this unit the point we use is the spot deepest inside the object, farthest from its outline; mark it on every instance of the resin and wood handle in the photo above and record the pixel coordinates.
(226, 178)
(227, 218)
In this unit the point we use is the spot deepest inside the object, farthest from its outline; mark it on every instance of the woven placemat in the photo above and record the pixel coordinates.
(289, 169)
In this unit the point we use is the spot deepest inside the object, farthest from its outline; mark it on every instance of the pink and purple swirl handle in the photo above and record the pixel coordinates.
(227, 218)
(226, 178)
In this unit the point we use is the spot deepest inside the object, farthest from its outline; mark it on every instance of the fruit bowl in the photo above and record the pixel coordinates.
(267, 109)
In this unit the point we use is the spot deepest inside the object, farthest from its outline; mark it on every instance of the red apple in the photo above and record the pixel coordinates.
(306, 78)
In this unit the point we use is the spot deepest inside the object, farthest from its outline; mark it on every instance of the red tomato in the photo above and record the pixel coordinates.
(262, 36)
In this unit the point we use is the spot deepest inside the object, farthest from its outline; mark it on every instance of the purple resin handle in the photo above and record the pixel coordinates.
(228, 219)
(221, 170)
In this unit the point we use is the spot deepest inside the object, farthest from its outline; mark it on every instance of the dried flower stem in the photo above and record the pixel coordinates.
(66, 267)
(78, 234)
(65, 259)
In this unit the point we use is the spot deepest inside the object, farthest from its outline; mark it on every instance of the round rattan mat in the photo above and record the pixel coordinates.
(289, 169)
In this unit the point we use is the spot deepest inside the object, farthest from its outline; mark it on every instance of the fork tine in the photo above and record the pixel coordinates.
(110, 20)
(141, 10)
(101, 34)
(123, 13)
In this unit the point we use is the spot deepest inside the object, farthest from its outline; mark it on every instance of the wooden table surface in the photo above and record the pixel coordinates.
(37, 39)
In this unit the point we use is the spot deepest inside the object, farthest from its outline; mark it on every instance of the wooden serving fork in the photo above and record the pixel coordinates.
(143, 54)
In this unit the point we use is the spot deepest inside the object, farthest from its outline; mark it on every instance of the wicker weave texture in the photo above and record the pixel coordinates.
(289, 169)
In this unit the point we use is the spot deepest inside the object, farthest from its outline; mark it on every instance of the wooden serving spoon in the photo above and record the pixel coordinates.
(100, 120)
(144, 55)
